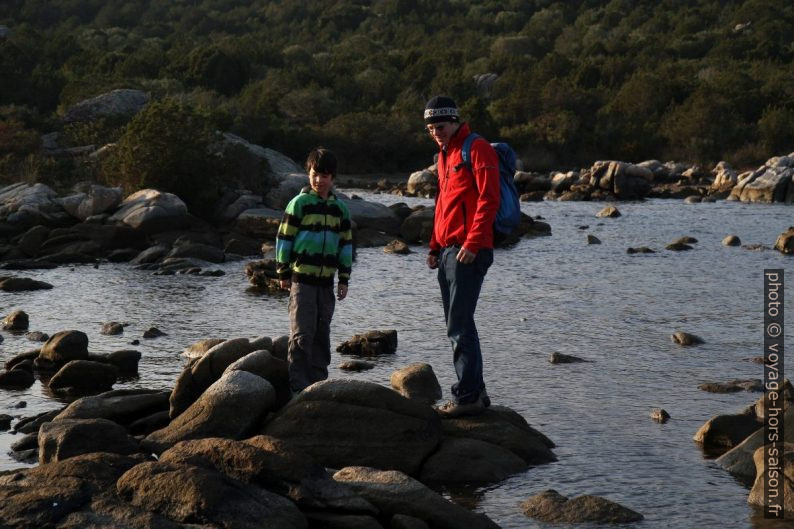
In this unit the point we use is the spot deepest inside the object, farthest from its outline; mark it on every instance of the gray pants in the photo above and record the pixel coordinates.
(310, 311)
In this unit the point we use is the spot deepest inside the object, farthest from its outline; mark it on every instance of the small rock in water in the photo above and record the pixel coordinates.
(756, 360)
(21, 404)
(755, 247)
(370, 343)
(153, 332)
(583, 227)
(660, 415)
(693, 199)
(16, 379)
(559, 358)
(678, 247)
(135, 342)
(592, 239)
(37, 336)
(356, 365)
(16, 321)
(5, 422)
(641, 249)
(684, 338)
(398, 247)
(608, 212)
(733, 386)
(551, 506)
(112, 328)
(731, 240)
(685, 240)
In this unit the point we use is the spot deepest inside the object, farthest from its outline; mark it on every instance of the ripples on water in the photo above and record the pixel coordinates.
(544, 295)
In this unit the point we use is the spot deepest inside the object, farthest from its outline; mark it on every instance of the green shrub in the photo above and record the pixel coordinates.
(166, 147)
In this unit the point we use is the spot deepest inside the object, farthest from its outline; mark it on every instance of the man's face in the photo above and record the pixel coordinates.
(442, 131)
(321, 182)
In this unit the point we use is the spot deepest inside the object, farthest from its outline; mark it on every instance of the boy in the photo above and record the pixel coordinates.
(314, 241)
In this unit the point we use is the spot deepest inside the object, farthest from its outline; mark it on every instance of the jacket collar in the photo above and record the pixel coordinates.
(456, 141)
(309, 191)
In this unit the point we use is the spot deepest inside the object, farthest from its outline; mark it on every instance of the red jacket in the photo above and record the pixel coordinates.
(466, 204)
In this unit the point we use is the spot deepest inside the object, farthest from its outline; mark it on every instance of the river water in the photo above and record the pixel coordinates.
(548, 294)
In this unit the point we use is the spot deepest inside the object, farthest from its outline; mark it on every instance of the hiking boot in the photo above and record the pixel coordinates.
(456, 409)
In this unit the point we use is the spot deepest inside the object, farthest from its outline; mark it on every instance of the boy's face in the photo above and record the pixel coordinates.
(321, 182)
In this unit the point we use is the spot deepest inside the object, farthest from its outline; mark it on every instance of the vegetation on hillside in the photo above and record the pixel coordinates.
(577, 81)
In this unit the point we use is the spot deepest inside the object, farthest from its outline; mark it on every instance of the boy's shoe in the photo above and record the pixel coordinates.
(456, 409)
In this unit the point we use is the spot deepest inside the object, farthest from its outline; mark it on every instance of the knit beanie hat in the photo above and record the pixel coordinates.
(441, 108)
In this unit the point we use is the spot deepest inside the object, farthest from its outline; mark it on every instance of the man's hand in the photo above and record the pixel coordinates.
(464, 256)
(285, 284)
(341, 291)
(432, 261)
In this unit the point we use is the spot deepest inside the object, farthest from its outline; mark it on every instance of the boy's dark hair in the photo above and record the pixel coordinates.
(322, 161)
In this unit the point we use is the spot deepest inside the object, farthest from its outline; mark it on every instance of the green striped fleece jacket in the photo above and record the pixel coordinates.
(314, 240)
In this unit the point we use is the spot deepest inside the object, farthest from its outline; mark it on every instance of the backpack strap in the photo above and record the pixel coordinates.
(465, 151)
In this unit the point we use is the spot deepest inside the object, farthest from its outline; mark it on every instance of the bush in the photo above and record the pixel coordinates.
(166, 147)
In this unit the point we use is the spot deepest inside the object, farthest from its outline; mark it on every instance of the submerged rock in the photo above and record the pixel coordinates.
(733, 386)
(22, 284)
(660, 415)
(609, 212)
(370, 343)
(356, 365)
(112, 328)
(551, 506)
(684, 338)
(560, 358)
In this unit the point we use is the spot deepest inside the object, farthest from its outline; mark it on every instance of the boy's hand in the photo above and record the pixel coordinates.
(341, 291)
(285, 284)
(432, 261)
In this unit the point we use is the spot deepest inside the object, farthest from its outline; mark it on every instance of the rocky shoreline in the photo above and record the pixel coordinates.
(737, 440)
(234, 449)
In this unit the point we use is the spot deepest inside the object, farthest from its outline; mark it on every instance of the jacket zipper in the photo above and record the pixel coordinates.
(325, 235)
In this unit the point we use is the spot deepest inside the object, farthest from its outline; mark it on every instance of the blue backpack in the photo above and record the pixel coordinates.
(509, 214)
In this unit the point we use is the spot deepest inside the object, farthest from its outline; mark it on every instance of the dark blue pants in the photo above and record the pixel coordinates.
(460, 289)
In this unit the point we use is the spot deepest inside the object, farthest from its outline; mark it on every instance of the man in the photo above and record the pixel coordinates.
(461, 247)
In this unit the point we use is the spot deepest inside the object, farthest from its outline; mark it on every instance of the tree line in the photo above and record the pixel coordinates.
(570, 82)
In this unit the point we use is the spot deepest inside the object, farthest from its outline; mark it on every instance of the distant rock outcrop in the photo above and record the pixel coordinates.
(121, 102)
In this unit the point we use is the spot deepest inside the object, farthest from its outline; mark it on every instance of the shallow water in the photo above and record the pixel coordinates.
(544, 295)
